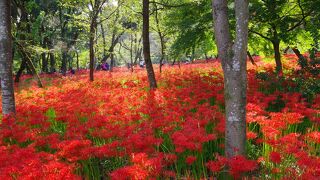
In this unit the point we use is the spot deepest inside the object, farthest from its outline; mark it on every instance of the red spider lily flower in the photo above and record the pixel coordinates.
(214, 166)
(313, 137)
(75, 150)
(170, 158)
(190, 160)
(275, 157)
(275, 170)
(251, 135)
(169, 174)
(239, 164)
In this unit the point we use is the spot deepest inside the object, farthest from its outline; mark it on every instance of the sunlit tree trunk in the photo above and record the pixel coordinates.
(7, 91)
(146, 45)
(250, 58)
(277, 55)
(91, 44)
(302, 60)
(233, 59)
(161, 36)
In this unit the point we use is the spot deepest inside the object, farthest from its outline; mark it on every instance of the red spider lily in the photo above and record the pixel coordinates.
(75, 150)
(142, 168)
(251, 135)
(313, 137)
(190, 160)
(239, 164)
(275, 157)
(116, 117)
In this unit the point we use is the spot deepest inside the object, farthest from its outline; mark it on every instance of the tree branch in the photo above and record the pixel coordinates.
(261, 35)
(300, 22)
(169, 5)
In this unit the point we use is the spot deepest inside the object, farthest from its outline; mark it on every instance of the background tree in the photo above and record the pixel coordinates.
(94, 13)
(146, 45)
(277, 21)
(234, 64)
(7, 91)
(191, 33)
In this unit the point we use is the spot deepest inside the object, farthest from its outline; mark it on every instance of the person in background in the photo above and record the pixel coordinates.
(71, 70)
(141, 64)
(105, 66)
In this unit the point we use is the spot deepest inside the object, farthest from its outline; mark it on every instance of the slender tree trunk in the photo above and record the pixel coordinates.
(44, 54)
(51, 56)
(64, 48)
(44, 62)
(131, 49)
(23, 66)
(27, 56)
(138, 50)
(7, 91)
(285, 51)
(161, 36)
(173, 62)
(146, 45)
(103, 40)
(91, 44)
(23, 27)
(64, 61)
(111, 49)
(77, 54)
(302, 60)
(233, 58)
(250, 58)
(277, 55)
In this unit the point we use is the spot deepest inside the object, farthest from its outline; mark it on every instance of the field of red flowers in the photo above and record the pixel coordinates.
(115, 127)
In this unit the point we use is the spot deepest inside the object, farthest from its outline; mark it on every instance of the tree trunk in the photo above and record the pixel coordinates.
(103, 40)
(285, 51)
(146, 46)
(44, 62)
(233, 58)
(7, 90)
(44, 44)
(302, 60)
(23, 66)
(173, 62)
(138, 50)
(51, 56)
(63, 25)
(161, 36)
(250, 58)
(64, 61)
(277, 55)
(77, 54)
(91, 44)
(27, 56)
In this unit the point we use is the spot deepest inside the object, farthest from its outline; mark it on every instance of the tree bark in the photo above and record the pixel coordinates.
(233, 58)
(23, 66)
(161, 36)
(250, 58)
(302, 60)
(27, 56)
(277, 55)
(103, 40)
(52, 59)
(91, 44)
(63, 25)
(44, 44)
(77, 55)
(7, 90)
(146, 46)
